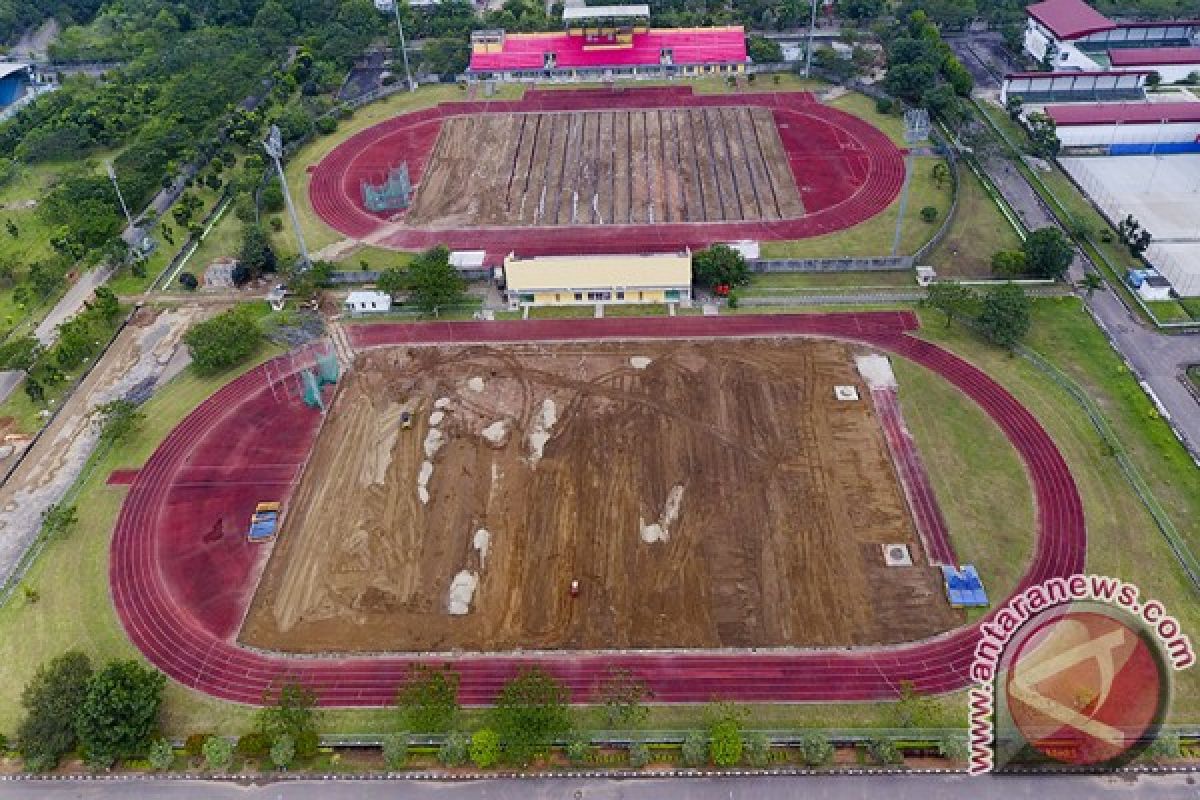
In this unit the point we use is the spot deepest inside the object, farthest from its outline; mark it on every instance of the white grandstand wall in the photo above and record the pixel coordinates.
(1131, 133)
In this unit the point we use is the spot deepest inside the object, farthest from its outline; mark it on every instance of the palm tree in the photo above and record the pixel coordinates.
(1090, 283)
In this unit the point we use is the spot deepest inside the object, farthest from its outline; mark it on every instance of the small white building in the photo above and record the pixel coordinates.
(1154, 287)
(368, 302)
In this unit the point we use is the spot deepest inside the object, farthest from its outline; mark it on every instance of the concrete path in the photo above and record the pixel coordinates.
(893, 787)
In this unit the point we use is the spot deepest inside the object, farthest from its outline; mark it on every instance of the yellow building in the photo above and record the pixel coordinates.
(588, 280)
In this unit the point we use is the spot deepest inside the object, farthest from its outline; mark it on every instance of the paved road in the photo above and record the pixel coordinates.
(923, 787)
(1160, 359)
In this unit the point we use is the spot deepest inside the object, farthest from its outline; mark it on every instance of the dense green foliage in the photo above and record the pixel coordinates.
(290, 710)
(1048, 253)
(485, 748)
(923, 70)
(433, 282)
(119, 712)
(1004, 317)
(719, 265)
(50, 700)
(218, 753)
(428, 700)
(530, 712)
(952, 299)
(223, 341)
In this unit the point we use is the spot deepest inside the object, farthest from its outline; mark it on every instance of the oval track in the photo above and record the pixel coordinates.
(195, 645)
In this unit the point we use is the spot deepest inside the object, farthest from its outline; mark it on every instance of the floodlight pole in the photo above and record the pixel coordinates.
(812, 28)
(112, 176)
(274, 147)
(403, 48)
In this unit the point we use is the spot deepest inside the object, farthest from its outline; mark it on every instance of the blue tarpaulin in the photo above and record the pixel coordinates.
(262, 526)
(963, 587)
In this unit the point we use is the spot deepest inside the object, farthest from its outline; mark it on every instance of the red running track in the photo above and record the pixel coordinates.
(846, 170)
(182, 574)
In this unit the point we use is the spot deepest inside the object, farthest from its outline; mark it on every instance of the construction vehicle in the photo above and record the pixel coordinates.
(264, 522)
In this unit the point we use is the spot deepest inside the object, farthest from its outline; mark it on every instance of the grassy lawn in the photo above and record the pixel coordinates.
(977, 476)
(636, 310)
(874, 237)
(1169, 311)
(562, 312)
(374, 258)
(831, 280)
(978, 231)
(864, 107)
(1122, 538)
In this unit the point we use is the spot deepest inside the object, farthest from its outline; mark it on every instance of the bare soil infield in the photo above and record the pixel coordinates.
(786, 498)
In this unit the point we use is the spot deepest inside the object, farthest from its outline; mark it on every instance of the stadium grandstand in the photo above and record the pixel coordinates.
(603, 43)
(1036, 88)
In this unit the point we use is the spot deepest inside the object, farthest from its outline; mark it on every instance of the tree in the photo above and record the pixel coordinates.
(883, 751)
(59, 520)
(189, 281)
(1013, 106)
(719, 265)
(35, 390)
(1009, 263)
(485, 748)
(763, 51)
(289, 709)
(392, 280)
(106, 304)
(434, 282)
(1048, 253)
(1090, 283)
(1004, 318)
(952, 299)
(530, 712)
(283, 751)
(161, 755)
(725, 742)
(695, 749)
(428, 700)
(395, 750)
(20, 352)
(958, 76)
(454, 750)
(47, 731)
(941, 174)
(757, 749)
(929, 214)
(119, 712)
(816, 749)
(118, 420)
(860, 10)
(623, 698)
(223, 341)
(1043, 133)
(1130, 232)
(218, 753)
(256, 253)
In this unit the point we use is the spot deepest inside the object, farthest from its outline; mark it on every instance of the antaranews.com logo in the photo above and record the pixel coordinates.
(1073, 671)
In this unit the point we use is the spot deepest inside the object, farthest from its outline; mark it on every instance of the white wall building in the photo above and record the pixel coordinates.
(1129, 128)
(368, 302)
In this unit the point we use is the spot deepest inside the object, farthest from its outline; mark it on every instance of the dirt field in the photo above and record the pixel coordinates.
(704, 494)
(600, 167)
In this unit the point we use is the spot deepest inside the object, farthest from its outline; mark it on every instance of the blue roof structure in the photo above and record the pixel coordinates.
(963, 587)
(262, 526)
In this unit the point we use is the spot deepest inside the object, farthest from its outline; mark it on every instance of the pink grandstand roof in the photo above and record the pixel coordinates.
(1070, 19)
(1154, 56)
(1124, 113)
(687, 45)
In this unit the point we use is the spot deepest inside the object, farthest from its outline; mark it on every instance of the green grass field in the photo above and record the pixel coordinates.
(978, 231)
(864, 107)
(766, 281)
(874, 237)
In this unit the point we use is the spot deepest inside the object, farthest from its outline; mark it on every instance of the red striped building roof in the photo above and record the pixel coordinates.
(689, 46)
(1123, 113)
(1070, 19)
(1154, 56)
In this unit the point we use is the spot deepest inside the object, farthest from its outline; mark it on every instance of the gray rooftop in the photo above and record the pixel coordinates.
(604, 12)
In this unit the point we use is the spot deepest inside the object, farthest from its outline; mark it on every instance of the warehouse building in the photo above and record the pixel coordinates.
(1129, 128)
(1071, 35)
(598, 279)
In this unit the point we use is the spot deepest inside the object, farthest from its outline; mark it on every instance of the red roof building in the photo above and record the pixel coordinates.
(1154, 56)
(1123, 113)
(658, 48)
(1069, 19)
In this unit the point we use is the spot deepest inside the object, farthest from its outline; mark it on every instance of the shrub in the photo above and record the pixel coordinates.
(218, 753)
(224, 340)
(579, 747)
(253, 745)
(885, 105)
(161, 755)
(954, 748)
(326, 125)
(883, 751)
(639, 755)
(47, 731)
(453, 752)
(193, 745)
(695, 749)
(816, 750)
(395, 750)
(1166, 745)
(725, 743)
(307, 745)
(929, 215)
(188, 281)
(283, 751)
(485, 748)
(757, 750)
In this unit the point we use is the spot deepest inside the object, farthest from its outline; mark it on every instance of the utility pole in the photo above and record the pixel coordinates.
(274, 147)
(812, 28)
(403, 48)
(112, 176)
